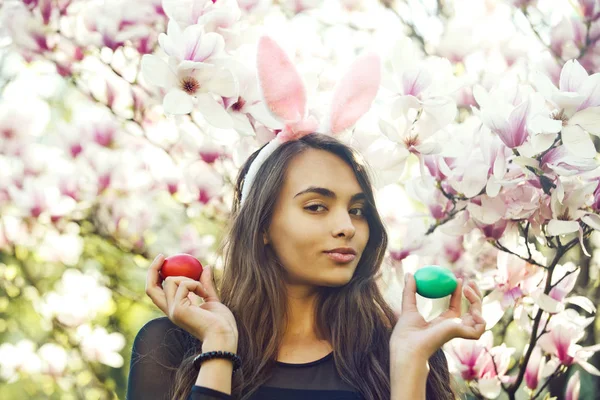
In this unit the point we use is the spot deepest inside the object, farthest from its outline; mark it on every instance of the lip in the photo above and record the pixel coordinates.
(342, 250)
(341, 257)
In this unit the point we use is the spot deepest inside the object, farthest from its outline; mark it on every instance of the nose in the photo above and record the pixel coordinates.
(344, 225)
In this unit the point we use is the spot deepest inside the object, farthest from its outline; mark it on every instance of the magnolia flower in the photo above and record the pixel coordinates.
(562, 162)
(477, 360)
(191, 44)
(577, 100)
(54, 359)
(567, 203)
(20, 357)
(77, 298)
(513, 113)
(186, 12)
(514, 279)
(564, 278)
(111, 23)
(561, 343)
(190, 85)
(100, 346)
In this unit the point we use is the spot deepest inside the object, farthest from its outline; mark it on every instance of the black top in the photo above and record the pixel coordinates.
(160, 346)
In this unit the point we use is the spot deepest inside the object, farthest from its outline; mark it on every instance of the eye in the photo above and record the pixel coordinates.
(311, 208)
(362, 211)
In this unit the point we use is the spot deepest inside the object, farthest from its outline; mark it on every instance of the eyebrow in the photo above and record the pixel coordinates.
(328, 193)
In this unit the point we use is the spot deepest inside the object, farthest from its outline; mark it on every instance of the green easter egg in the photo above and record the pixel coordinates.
(434, 281)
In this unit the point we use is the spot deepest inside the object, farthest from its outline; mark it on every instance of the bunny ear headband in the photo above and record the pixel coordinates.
(285, 96)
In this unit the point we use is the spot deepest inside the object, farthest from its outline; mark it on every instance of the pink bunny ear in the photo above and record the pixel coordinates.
(355, 92)
(280, 82)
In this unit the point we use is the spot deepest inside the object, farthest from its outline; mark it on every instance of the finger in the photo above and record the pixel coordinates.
(153, 288)
(170, 285)
(456, 328)
(187, 287)
(474, 300)
(209, 285)
(409, 298)
(456, 299)
(474, 286)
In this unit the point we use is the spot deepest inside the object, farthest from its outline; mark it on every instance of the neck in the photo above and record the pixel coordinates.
(301, 326)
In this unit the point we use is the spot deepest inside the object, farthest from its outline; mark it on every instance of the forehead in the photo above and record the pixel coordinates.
(320, 168)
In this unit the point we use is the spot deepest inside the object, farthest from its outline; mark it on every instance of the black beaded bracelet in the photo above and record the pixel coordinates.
(237, 362)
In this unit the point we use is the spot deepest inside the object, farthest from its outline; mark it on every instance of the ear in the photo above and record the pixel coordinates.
(355, 92)
(279, 82)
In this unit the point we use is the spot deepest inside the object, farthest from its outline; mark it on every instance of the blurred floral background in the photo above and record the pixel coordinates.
(123, 125)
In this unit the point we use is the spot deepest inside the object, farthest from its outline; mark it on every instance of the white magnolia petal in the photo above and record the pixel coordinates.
(588, 119)
(572, 76)
(543, 124)
(481, 96)
(550, 367)
(589, 367)
(389, 130)
(157, 72)
(542, 83)
(483, 214)
(402, 104)
(582, 302)
(177, 102)
(213, 112)
(241, 124)
(556, 227)
(260, 112)
(429, 147)
(491, 309)
(474, 180)
(223, 83)
(592, 220)
(548, 304)
(493, 187)
(489, 387)
(578, 141)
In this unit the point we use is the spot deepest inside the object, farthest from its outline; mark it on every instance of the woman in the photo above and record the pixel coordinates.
(299, 319)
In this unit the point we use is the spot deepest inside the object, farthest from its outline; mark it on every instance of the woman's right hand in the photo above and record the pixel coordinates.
(210, 321)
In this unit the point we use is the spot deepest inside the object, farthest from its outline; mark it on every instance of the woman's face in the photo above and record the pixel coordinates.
(305, 225)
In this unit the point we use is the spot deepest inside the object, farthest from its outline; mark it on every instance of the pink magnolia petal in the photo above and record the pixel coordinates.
(497, 124)
(591, 92)
(517, 122)
(573, 387)
(415, 80)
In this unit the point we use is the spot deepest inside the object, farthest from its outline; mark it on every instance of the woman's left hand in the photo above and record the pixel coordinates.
(413, 336)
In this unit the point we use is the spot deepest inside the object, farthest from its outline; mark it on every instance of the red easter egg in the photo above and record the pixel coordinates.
(181, 265)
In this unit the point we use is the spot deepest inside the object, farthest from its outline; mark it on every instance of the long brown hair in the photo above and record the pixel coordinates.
(252, 287)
